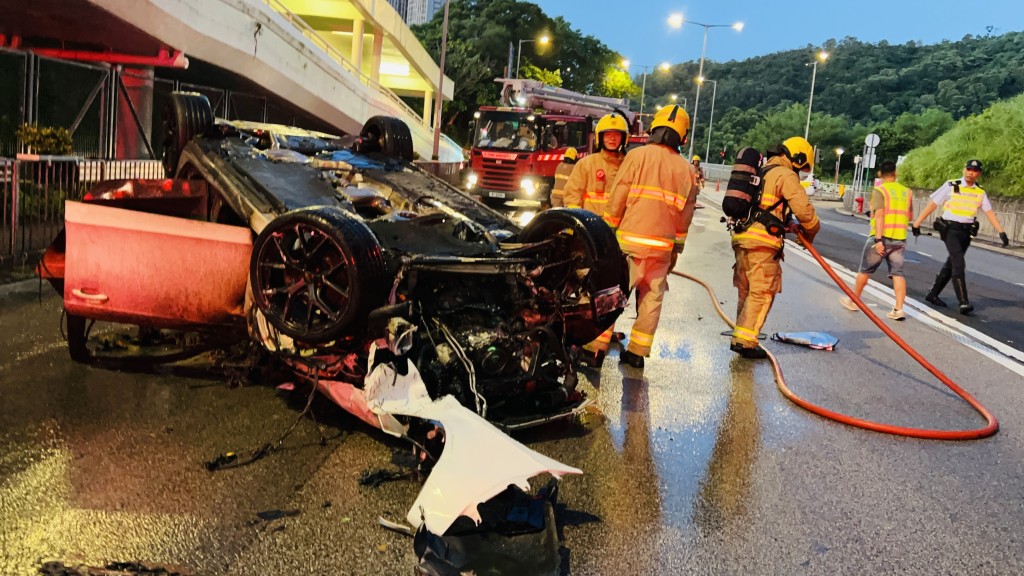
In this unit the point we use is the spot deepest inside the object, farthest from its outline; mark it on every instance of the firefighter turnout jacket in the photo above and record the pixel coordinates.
(591, 179)
(651, 203)
(562, 174)
(780, 184)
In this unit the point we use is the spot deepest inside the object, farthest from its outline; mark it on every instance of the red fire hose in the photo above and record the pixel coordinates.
(989, 430)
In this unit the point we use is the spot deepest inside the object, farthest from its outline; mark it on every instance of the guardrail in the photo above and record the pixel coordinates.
(313, 36)
(33, 190)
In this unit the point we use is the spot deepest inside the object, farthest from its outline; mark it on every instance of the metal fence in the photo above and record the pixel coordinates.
(33, 191)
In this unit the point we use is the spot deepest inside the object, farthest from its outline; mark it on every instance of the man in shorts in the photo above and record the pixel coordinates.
(891, 208)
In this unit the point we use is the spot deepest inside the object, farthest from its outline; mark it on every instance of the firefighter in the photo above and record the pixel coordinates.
(595, 173)
(650, 206)
(565, 168)
(961, 200)
(757, 274)
(698, 171)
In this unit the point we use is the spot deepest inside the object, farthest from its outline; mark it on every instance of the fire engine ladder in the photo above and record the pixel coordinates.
(535, 94)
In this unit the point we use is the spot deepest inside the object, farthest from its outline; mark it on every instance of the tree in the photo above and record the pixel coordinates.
(618, 84)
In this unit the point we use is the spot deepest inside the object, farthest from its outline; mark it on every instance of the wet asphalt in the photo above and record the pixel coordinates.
(696, 465)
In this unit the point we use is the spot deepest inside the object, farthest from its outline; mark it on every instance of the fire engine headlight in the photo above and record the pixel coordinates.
(528, 186)
(471, 180)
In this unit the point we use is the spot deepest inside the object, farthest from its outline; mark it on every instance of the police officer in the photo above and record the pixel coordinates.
(587, 185)
(960, 199)
(758, 248)
(650, 206)
(565, 168)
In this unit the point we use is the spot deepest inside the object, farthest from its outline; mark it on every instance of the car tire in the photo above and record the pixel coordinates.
(187, 115)
(597, 251)
(389, 136)
(316, 273)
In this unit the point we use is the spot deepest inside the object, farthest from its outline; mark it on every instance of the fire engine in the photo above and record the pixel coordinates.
(517, 146)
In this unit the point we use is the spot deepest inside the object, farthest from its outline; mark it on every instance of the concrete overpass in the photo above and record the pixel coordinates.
(339, 61)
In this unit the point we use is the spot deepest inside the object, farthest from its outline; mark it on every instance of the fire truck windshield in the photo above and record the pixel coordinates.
(506, 131)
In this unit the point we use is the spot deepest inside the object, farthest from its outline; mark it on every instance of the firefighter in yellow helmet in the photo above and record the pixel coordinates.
(595, 173)
(698, 172)
(650, 206)
(757, 274)
(565, 168)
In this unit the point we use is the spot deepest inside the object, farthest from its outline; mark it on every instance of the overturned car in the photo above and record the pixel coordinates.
(310, 257)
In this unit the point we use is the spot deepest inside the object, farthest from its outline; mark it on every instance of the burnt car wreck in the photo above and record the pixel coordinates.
(337, 260)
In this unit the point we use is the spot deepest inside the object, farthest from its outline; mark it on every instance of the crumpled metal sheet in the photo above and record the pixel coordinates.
(816, 340)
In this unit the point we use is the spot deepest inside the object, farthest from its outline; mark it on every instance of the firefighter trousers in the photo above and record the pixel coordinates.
(757, 276)
(648, 275)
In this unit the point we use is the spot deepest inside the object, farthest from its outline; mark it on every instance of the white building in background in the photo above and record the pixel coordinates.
(420, 11)
(400, 6)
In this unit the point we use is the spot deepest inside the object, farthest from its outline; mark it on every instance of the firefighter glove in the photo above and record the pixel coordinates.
(1005, 239)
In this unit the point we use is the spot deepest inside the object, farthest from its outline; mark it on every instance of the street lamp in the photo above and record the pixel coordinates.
(677, 21)
(664, 67)
(822, 56)
(839, 157)
(711, 121)
(519, 52)
(440, 87)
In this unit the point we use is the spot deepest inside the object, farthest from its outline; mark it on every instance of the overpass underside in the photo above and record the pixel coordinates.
(327, 68)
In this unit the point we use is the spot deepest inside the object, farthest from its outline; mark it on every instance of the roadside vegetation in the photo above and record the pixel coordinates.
(909, 94)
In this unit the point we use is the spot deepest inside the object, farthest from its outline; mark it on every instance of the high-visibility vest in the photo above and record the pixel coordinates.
(897, 211)
(964, 201)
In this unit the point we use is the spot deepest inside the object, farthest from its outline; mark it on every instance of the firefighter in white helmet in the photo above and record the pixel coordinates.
(650, 206)
(562, 173)
(595, 173)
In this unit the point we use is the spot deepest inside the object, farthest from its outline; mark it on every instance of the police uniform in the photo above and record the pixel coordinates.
(960, 204)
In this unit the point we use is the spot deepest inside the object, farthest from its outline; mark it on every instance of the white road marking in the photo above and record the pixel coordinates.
(1004, 355)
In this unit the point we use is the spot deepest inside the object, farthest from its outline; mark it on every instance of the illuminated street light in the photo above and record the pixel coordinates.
(822, 56)
(664, 67)
(677, 21)
(839, 157)
(714, 93)
(519, 53)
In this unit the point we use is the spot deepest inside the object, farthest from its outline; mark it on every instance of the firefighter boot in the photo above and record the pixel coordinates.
(960, 287)
(940, 282)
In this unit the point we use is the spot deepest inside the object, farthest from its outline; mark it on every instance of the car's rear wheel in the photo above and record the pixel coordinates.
(187, 115)
(595, 266)
(316, 273)
(78, 338)
(387, 135)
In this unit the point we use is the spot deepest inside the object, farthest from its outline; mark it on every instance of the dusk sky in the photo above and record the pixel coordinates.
(638, 29)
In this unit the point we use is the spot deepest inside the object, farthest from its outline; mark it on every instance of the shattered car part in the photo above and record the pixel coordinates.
(247, 238)
(816, 340)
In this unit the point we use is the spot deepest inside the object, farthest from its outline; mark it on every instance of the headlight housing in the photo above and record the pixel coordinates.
(528, 186)
(472, 180)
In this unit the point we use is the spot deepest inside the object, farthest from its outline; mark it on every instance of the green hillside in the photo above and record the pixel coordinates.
(996, 137)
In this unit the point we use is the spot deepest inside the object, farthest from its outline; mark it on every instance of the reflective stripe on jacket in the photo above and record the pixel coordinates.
(779, 184)
(561, 178)
(896, 209)
(965, 203)
(651, 202)
(590, 180)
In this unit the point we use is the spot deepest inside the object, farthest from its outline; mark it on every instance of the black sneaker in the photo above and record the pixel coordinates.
(590, 359)
(630, 359)
(756, 353)
(934, 300)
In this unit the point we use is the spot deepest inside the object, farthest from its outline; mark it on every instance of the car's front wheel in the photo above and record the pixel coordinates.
(316, 273)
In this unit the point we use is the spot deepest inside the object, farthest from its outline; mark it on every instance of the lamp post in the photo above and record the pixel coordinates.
(839, 157)
(822, 56)
(711, 120)
(664, 66)
(435, 155)
(519, 52)
(677, 21)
